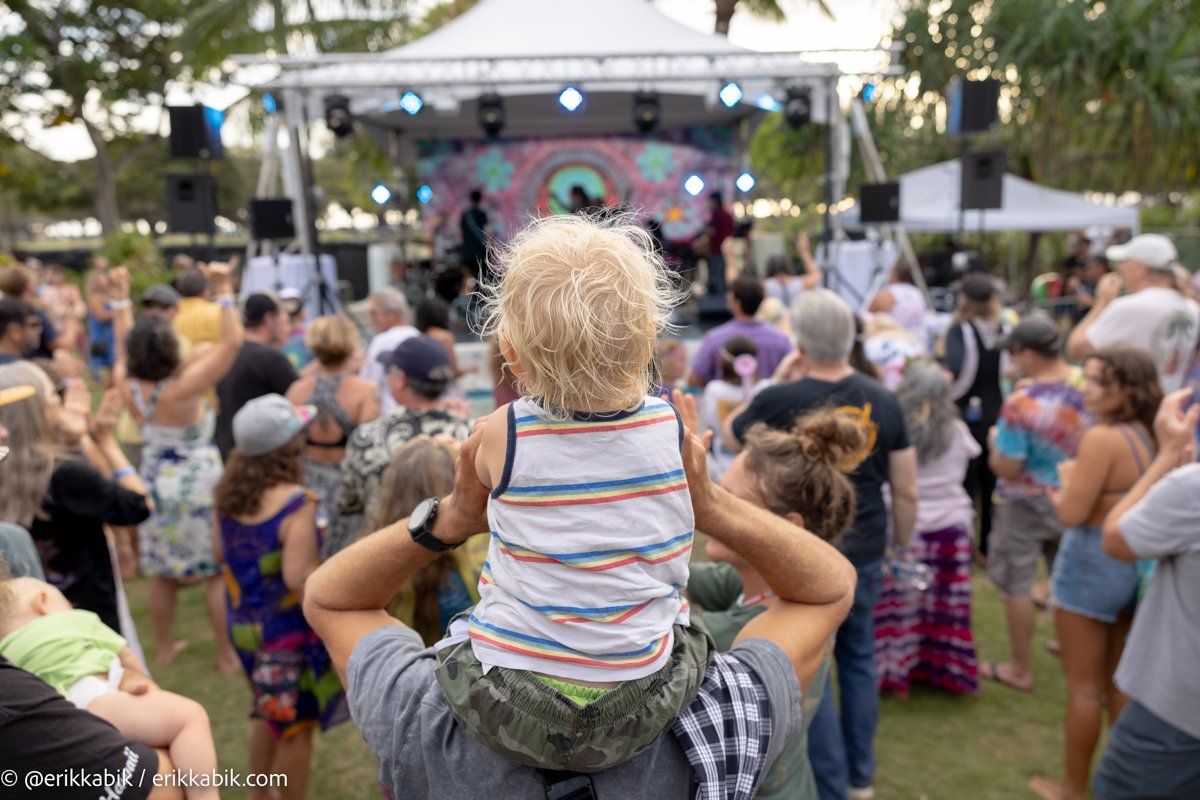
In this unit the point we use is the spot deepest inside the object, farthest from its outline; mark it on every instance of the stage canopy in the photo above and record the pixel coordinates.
(929, 203)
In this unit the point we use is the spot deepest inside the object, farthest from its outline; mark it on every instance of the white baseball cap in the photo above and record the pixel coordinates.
(267, 423)
(1152, 249)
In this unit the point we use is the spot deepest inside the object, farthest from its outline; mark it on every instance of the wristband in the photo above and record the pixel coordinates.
(226, 301)
(123, 472)
(120, 305)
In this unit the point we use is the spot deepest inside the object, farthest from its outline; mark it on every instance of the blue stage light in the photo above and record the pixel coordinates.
(694, 185)
(269, 104)
(381, 194)
(767, 102)
(412, 103)
(570, 98)
(745, 182)
(425, 194)
(868, 92)
(730, 94)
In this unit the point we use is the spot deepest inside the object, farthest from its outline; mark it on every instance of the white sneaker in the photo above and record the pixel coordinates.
(863, 793)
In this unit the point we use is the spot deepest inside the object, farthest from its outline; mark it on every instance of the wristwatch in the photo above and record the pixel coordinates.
(420, 526)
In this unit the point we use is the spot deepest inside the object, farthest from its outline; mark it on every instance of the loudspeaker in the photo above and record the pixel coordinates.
(879, 202)
(982, 180)
(972, 106)
(271, 218)
(191, 204)
(195, 132)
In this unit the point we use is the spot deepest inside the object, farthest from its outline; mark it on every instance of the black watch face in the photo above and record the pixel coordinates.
(420, 514)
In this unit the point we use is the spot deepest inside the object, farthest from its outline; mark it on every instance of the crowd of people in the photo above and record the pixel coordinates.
(512, 604)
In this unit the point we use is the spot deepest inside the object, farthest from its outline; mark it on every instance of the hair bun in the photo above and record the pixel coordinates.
(833, 438)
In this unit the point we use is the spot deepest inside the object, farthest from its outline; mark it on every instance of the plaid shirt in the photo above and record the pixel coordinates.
(726, 730)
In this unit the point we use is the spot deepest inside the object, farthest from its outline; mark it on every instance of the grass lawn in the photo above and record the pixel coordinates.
(931, 747)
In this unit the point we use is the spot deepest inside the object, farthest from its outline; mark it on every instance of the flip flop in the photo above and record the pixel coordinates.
(991, 672)
(1054, 648)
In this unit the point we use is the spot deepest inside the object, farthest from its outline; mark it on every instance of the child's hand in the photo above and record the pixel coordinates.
(136, 685)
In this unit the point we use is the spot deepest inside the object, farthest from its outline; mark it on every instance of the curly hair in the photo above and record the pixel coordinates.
(805, 469)
(1133, 372)
(924, 397)
(152, 348)
(580, 300)
(239, 492)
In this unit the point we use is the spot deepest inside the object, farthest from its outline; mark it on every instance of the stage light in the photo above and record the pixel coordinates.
(412, 103)
(491, 113)
(381, 194)
(868, 92)
(745, 182)
(269, 103)
(647, 111)
(797, 107)
(730, 94)
(425, 194)
(570, 98)
(694, 185)
(767, 102)
(337, 115)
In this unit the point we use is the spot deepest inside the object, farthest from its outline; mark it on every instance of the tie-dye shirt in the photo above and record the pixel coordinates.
(1040, 424)
(591, 527)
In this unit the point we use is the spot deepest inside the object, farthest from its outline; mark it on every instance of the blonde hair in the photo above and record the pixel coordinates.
(25, 473)
(580, 300)
(332, 340)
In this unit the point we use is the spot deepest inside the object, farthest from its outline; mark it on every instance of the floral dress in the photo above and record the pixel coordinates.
(180, 467)
(289, 669)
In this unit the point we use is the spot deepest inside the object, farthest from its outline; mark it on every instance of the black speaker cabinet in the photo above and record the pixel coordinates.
(972, 107)
(879, 202)
(983, 180)
(191, 204)
(271, 218)
(195, 132)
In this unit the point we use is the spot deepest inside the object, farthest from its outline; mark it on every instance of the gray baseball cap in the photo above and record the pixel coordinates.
(267, 423)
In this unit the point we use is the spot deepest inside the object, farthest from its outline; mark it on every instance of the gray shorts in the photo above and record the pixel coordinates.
(1022, 529)
(1148, 759)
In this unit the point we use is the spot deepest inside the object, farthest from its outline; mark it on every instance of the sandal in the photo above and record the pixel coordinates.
(990, 670)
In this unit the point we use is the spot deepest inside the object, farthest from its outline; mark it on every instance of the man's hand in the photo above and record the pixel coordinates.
(790, 369)
(76, 412)
(1108, 289)
(220, 275)
(1175, 428)
(685, 404)
(104, 422)
(463, 513)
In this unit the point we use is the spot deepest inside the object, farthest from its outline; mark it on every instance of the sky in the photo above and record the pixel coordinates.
(859, 24)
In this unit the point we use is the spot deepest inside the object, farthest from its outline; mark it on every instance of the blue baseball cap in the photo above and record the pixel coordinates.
(422, 358)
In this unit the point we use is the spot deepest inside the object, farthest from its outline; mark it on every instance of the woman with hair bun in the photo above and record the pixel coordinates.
(926, 635)
(800, 475)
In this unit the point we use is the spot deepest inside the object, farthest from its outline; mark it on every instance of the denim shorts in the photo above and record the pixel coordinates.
(1088, 581)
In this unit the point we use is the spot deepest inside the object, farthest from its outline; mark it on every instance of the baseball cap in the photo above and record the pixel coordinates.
(267, 423)
(978, 286)
(1037, 333)
(422, 358)
(162, 294)
(15, 394)
(292, 299)
(1152, 249)
(258, 305)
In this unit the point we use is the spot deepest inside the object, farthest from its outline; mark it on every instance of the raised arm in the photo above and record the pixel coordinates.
(812, 273)
(205, 371)
(1079, 344)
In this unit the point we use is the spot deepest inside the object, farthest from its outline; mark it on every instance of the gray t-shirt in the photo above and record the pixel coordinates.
(1160, 666)
(398, 706)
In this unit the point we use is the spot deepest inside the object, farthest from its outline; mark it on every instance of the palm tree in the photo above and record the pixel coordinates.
(763, 9)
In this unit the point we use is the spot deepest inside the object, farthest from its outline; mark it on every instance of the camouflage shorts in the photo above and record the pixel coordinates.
(516, 714)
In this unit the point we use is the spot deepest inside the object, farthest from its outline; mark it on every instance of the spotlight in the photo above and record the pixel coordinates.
(730, 94)
(270, 104)
(491, 113)
(570, 98)
(797, 106)
(381, 194)
(767, 102)
(337, 115)
(412, 103)
(745, 182)
(646, 112)
(868, 92)
(425, 194)
(694, 185)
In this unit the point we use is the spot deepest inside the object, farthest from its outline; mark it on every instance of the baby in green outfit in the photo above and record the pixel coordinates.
(85, 661)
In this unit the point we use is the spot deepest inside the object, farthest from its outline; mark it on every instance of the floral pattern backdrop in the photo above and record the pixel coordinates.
(527, 177)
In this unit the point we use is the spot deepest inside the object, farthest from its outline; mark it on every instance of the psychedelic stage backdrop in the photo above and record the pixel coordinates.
(523, 177)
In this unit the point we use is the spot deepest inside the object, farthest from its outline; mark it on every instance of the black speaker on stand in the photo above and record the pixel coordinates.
(271, 218)
(191, 204)
(879, 202)
(982, 180)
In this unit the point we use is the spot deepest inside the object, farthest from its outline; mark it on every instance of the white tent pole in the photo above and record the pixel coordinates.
(294, 170)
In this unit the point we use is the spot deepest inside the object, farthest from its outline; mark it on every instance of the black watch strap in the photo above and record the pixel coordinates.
(420, 526)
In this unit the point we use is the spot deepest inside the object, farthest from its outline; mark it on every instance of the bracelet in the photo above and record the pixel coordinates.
(124, 472)
(226, 301)
(120, 305)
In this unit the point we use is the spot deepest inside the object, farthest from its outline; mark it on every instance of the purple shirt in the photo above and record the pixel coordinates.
(772, 346)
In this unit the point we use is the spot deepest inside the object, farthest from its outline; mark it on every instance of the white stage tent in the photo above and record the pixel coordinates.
(929, 203)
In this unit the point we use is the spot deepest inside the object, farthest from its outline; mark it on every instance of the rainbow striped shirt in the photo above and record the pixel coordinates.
(591, 536)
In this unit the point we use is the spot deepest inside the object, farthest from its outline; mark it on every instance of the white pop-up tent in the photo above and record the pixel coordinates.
(929, 203)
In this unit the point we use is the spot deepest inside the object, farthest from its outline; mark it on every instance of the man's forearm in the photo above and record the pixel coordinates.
(365, 575)
(799, 567)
